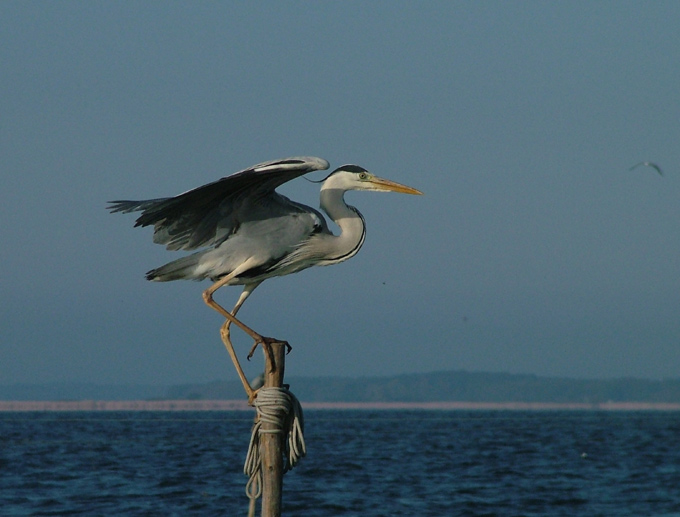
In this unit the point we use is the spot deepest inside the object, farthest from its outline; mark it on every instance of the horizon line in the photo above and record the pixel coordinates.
(242, 405)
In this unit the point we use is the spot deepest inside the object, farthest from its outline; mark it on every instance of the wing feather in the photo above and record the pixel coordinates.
(207, 215)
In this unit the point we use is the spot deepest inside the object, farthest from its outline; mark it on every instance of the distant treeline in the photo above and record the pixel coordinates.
(454, 386)
(457, 386)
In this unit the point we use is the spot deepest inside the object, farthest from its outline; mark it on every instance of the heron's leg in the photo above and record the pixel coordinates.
(226, 339)
(224, 330)
(247, 291)
(210, 302)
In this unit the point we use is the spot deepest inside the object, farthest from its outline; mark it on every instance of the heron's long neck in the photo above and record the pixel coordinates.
(351, 223)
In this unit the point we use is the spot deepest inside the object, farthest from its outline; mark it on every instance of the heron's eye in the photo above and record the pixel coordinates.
(363, 176)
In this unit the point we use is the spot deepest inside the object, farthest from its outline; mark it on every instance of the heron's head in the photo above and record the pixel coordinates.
(353, 177)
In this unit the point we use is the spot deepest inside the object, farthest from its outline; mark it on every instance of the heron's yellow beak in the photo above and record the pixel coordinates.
(383, 185)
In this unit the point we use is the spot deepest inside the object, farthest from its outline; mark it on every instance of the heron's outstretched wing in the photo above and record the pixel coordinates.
(207, 215)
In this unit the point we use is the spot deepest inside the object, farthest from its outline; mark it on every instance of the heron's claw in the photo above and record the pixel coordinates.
(266, 343)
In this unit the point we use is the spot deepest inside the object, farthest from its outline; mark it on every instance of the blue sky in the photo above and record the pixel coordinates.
(534, 249)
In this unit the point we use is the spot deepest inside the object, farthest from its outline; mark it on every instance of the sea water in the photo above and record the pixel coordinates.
(359, 463)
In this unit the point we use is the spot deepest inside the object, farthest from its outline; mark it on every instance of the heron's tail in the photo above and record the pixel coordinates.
(180, 269)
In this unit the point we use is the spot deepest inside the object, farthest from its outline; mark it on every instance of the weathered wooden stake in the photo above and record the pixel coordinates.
(271, 444)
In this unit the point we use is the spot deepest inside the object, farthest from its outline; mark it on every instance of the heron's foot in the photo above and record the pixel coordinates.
(266, 343)
(252, 395)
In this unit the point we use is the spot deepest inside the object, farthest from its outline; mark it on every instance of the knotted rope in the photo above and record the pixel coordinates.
(279, 407)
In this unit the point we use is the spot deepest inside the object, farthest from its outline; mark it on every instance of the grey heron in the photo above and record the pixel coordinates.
(248, 232)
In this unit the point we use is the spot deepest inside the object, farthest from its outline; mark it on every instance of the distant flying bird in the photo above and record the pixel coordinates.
(249, 232)
(648, 164)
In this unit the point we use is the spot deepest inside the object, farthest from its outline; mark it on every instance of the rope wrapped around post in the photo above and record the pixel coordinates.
(282, 409)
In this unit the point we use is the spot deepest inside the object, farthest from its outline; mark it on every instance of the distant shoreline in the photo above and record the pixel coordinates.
(241, 405)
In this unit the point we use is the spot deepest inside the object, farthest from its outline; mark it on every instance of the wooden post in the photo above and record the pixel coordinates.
(271, 444)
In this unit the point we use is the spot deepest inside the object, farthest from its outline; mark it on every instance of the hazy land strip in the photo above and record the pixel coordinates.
(242, 405)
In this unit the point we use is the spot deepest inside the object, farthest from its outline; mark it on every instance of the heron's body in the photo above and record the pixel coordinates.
(275, 237)
(263, 242)
(247, 232)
